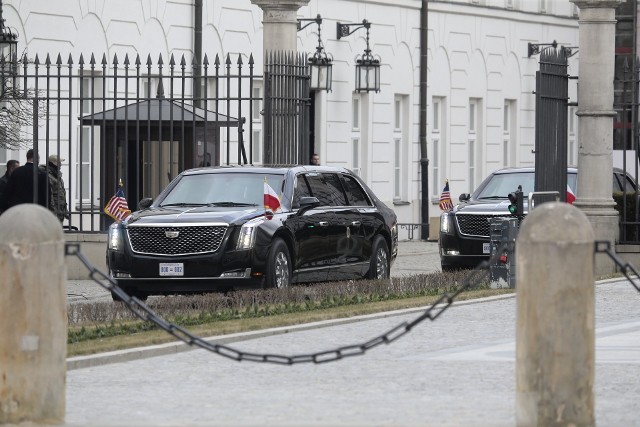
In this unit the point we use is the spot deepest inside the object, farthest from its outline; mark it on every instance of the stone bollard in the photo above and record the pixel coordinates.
(33, 317)
(555, 339)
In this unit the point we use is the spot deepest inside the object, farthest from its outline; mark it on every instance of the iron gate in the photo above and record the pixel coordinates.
(551, 123)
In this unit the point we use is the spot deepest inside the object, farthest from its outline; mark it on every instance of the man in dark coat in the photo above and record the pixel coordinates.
(4, 180)
(20, 186)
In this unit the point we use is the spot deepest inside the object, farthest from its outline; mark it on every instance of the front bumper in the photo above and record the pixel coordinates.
(459, 251)
(222, 270)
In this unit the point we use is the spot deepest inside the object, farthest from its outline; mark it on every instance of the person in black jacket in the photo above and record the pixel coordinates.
(4, 180)
(20, 189)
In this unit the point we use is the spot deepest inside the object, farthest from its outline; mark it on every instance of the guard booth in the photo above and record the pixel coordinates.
(148, 143)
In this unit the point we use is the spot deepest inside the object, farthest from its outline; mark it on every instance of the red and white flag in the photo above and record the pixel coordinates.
(570, 196)
(271, 199)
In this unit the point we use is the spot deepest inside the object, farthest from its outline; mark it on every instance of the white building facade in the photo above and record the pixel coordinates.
(481, 106)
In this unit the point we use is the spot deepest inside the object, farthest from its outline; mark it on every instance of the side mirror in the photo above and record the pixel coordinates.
(307, 203)
(464, 197)
(145, 203)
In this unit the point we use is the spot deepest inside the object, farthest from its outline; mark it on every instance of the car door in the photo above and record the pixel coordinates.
(359, 219)
(311, 230)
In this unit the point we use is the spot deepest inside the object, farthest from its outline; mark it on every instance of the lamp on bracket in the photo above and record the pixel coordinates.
(8, 50)
(320, 62)
(534, 48)
(367, 65)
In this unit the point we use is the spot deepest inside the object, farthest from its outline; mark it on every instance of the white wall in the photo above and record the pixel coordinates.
(477, 49)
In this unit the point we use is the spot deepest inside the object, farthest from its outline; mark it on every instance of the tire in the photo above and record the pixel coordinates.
(379, 263)
(278, 265)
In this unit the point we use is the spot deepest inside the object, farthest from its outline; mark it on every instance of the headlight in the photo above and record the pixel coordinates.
(446, 222)
(115, 242)
(247, 235)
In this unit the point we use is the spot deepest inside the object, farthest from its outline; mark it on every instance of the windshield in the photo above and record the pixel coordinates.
(222, 189)
(500, 185)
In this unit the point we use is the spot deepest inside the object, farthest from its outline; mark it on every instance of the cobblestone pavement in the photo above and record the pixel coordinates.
(456, 371)
(414, 257)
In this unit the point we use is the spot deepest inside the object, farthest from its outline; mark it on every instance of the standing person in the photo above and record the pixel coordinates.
(58, 199)
(315, 159)
(4, 180)
(19, 189)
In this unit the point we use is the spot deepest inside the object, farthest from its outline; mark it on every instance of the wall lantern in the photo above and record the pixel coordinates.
(320, 62)
(367, 66)
(8, 50)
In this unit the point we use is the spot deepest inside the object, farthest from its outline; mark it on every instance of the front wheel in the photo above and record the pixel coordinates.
(379, 264)
(278, 265)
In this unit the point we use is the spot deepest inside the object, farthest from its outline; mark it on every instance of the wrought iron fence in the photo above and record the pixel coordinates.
(138, 123)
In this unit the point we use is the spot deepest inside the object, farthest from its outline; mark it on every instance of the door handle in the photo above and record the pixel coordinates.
(323, 224)
(356, 223)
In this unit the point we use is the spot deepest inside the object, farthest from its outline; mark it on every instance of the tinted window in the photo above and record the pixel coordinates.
(223, 188)
(302, 190)
(327, 188)
(355, 193)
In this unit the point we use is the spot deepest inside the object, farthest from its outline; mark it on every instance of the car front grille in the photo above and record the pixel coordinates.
(189, 240)
(476, 225)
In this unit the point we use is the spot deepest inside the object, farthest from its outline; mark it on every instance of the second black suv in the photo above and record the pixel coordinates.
(464, 232)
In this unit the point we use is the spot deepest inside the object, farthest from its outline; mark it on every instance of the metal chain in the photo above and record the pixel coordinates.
(143, 312)
(604, 246)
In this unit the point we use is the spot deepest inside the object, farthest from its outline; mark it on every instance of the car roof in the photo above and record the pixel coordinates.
(524, 169)
(570, 169)
(276, 169)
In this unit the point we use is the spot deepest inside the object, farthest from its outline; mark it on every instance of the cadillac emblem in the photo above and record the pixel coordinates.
(171, 234)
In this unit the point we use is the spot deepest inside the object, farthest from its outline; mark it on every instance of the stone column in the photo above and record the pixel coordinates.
(280, 21)
(595, 121)
(555, 327)
(33, 317)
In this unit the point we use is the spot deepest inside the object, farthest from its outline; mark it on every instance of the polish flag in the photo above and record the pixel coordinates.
(271, 200)
(570, 196)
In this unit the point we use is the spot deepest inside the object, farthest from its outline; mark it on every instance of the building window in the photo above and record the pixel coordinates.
(256, 102)
(256, 142)
(397, 176)
(91, 93)
(355, 151)
(356, 113)
(543, 6)
(435, 167)
(438, 141)
(472, 116)
(149, 86)
(208, 93)
(472, 164)
(571, 155)
(85, 156)
(397, 123)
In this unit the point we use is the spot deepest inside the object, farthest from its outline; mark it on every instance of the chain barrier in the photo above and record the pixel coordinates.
(140, 310)
(604, 247)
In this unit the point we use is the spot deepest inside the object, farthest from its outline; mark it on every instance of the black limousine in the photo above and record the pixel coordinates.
(209, 230)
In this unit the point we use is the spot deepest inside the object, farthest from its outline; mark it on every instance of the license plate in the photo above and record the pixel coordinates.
(486, 248)
(171, 269)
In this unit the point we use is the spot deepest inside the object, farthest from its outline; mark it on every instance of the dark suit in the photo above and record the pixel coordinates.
(19, 189)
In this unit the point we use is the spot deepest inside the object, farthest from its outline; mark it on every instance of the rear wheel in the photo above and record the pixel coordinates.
(379, 264)
(278, 265)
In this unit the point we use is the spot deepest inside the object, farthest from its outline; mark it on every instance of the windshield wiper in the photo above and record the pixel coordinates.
(492, 197)
(182, 204)
(231, 204)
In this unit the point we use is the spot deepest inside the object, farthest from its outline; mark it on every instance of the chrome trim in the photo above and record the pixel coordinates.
(181, 224)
